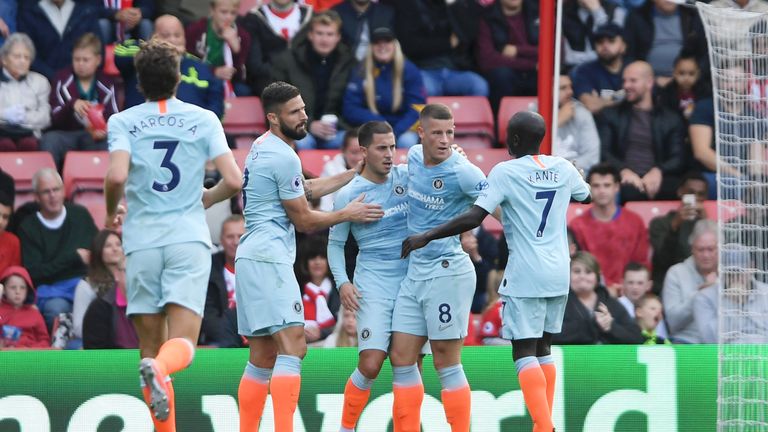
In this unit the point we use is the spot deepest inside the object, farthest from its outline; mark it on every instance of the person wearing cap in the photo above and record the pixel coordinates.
(21, 324)
(358, 19)
(597, 83)
(385, 87)
(319, 66)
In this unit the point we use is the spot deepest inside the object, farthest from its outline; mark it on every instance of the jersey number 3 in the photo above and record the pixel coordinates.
(549, 196)
(170, 148)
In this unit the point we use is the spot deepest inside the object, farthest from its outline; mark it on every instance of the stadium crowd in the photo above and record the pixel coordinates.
(635, 113)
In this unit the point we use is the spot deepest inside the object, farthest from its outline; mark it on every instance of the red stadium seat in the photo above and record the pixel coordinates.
(244, 117)
(312, 161)
(507, 108)
(246, 5)
(240, 155)
(731, 209)
(84, 171)
(493, 226)
(97, 207)
(575, 210)
(486, 159)
(651, 209)
(473, 118)
(22, 166)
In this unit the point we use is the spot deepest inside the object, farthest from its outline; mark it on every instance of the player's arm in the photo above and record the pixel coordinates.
(230, 183)
(307, 220)
(114, 186)
(319, 187)
(466, 221)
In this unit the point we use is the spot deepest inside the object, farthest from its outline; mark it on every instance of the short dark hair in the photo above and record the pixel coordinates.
(646, 298)
(157, 68)
(686, 55)
(604, 169)
(368, 130)
(636, 266)
(435, 111)
(349, 135)
(276, 94)
(692, 175)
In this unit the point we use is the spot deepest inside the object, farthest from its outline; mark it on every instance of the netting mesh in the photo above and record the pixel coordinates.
(738, 50)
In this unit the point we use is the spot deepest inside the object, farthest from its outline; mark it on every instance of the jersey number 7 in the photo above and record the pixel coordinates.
(549, 196)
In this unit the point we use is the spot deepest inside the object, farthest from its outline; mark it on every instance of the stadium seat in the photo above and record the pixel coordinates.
(731, 209)
(244, 117)
(493, 226)
(97, 207)
(84, 171)
(473, 118)
(651, 209)
(575, 210)
(246, 5)
(240, 155)
(22, 166)
(486, 159)
(507, 108)
(312, 161)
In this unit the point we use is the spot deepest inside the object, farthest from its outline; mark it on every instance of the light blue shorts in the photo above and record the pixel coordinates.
(268, 297)
(530, 317)
(374, 323)
(437, 308)
(176, 273)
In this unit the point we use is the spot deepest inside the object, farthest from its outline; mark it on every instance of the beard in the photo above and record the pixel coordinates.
(294, 134)
(607, 60)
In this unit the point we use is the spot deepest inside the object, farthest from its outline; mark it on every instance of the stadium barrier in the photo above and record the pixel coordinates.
(599, 388)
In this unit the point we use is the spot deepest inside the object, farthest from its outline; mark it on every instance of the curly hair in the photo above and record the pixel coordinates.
(157, 67)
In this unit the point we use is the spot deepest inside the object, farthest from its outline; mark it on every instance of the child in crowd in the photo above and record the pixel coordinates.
(637, 283)
(318, 319)
(10, 249)
(648, 313)
(218, 41)
(685, 88)
(345, 333)
(21, 323)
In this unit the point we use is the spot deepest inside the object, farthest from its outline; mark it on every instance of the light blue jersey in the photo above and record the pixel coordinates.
(436, 195)
(272, 174)
(534, 193)
(169, 142)
(379, 268)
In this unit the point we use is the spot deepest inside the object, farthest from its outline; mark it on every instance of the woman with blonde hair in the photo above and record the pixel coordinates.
(345, 332)
(386, 87)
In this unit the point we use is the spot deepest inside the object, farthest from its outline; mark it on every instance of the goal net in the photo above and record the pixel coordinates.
(738, 53)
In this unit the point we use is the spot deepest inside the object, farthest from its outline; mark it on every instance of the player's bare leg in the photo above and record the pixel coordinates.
(533, 383)
(407, 386)
(358, 388)
(254, 385)
(286, 376)
(547, 363)
(456, 394)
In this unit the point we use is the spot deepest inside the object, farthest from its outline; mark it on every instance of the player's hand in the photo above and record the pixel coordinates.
(459, 149)
(360, 166)
(652, 182)
(631, 178)
(349, 297)
(603, 318)
(412, 243)
(360, 212)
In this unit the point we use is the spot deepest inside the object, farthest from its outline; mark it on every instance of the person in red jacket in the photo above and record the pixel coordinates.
(10, 248)
(21, 323)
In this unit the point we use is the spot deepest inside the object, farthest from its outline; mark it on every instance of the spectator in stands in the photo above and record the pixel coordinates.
(687, 278)
(649, 315)
(686, 88)
(670, 234)
(359, 18)
(10, 248)
(490, 323)
(637, 284)
(316, 283)
(106, 270)
(350, 156)
(272, 26)
(742, 295)
(198, 86)
(345, 332)
(222, 44)
(219, 326)
(434, 39)
(597, 83)
(659, 31)
(470, 243)
(386, 87)
(54, 26)
(77, 90)
(187, 11)
(7, 187)
(577, 139)
(118, 22)
(591, 315)
(8, 9)
(24, 109)
(581, 20)
(21, 325)
(507, 52)
(55, 245)
(746, 5)
(614, 235)
(645, 142)
(319, 66)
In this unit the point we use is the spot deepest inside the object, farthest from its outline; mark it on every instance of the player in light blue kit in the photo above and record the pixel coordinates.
(158, 152)
(435, 297)
(269, 306)
(379, 269)
(534, 192)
